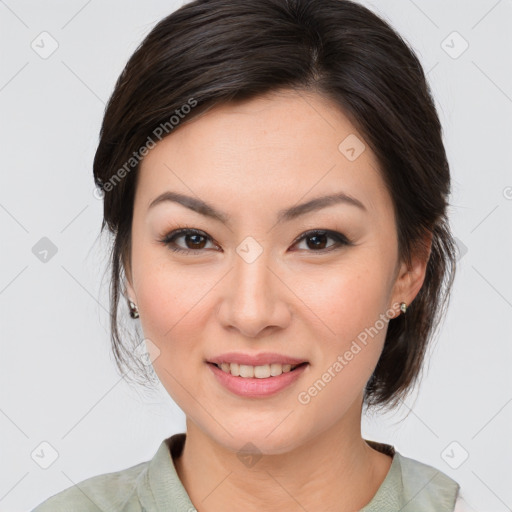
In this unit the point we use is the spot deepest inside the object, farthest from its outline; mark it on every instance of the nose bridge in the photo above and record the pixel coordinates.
(252, 277)
(252, 300)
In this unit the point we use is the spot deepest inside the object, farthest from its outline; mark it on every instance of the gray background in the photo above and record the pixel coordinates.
(58, 382)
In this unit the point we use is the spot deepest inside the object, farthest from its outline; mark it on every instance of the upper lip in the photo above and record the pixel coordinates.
(255, 359)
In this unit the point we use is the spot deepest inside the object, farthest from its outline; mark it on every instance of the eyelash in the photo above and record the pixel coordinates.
(341, 240)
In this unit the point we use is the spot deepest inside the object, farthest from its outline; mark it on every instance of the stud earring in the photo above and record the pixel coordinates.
(403, 307)
(134, 311)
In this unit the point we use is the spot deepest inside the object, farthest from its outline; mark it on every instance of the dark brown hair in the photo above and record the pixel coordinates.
(210, 52)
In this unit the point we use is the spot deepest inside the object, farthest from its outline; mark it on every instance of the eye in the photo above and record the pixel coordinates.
(195, 240)
(194, 237)
(320, 237)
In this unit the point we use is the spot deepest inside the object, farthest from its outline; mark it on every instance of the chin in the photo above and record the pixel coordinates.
(272, 438)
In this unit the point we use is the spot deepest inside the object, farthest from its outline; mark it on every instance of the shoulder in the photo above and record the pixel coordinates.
(461, 505)
(426, 485)
(99, 493)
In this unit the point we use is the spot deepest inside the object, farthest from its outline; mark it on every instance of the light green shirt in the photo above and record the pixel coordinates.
(154, 486)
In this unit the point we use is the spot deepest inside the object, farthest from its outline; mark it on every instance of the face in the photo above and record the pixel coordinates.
(252, 280)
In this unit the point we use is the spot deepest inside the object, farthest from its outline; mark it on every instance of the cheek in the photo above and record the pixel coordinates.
(169, 305)
(166, 294)
(349, 297)
(349, 305)
(173, 305)
(170, 310)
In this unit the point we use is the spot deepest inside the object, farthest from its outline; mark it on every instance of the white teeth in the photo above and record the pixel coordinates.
(259, 372)
(246, 370)
(276, 369)
(262, 372)
(235, 369)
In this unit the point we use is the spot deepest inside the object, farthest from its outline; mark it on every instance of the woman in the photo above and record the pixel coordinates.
(275, 181)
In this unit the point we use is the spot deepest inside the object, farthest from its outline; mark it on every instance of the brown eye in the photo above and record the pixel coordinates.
(193, 239)
(317, 240)
(197, 241)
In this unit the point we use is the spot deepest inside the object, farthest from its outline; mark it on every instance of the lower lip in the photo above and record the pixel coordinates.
(253, 387)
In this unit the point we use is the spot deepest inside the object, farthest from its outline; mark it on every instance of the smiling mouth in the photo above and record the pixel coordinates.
(259, 372)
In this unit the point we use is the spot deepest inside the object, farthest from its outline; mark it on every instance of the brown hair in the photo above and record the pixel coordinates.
(210, 52)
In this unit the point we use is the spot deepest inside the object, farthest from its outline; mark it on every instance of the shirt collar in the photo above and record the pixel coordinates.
(161, 488)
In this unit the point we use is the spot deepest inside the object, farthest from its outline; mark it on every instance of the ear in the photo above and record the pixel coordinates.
(410, 279)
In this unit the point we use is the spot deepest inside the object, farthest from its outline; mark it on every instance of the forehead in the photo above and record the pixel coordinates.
(279, 148)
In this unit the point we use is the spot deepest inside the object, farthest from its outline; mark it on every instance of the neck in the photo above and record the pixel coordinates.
(336, 468)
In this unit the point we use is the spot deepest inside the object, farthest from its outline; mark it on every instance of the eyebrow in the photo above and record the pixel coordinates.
(285, 215)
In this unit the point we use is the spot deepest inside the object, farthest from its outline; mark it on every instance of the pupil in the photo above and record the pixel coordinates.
(317, 245)
(195, 242)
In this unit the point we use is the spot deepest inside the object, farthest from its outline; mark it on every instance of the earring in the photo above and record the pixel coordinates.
(134, 311)
(403, 307)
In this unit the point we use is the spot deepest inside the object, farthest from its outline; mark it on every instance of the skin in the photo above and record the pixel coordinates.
(250, 160)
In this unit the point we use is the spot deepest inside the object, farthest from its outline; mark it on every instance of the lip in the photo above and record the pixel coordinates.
(254, 387)
(255, 359)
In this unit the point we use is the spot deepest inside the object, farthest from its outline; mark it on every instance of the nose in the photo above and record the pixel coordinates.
(255, 298)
